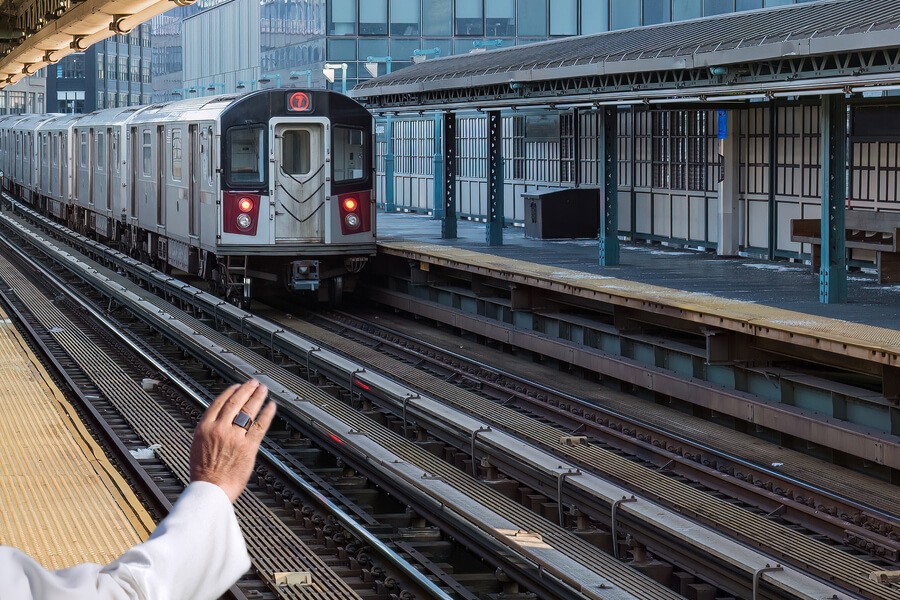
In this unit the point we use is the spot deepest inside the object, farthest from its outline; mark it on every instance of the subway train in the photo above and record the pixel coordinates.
(272, 188)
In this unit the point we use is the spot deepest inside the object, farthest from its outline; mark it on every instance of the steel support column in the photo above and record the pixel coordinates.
(439, 183)
(494, 229)
(609, 186)
(773, 179)
(389, 203)
(833, 271)
(448, 221)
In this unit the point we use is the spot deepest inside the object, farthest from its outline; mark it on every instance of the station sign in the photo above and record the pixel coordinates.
(299, 102)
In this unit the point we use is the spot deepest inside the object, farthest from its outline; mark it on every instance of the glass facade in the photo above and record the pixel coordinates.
(109, 74)
(296, 36)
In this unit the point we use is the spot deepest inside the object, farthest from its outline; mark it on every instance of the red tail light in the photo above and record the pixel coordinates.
(356, 212)
(240, 213)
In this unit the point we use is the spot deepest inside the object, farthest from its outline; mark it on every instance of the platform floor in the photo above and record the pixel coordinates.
(781, 284)
(61, 501)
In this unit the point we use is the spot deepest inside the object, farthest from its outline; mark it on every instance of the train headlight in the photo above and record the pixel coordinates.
(352, 221)
(244, 221)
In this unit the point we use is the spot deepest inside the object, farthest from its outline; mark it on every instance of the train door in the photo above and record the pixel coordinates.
(194, 183)
(132, 160)
(300, 181)
(89, 168)
(160, 174)
(112, 153)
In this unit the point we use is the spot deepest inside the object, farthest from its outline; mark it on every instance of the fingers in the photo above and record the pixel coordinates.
(236, 401)
(215, 407)
(256, 400)
(263, 420)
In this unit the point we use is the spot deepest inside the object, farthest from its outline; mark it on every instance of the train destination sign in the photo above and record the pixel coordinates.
(299, 102)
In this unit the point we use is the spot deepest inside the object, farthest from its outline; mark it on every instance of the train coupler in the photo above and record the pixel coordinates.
(304, 276)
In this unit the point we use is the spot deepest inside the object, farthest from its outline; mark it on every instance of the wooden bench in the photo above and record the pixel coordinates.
(864, 229)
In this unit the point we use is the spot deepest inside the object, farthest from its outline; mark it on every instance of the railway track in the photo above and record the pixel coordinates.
(848, 507)
(280, 340)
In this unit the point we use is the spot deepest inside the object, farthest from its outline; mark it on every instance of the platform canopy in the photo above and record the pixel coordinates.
(814, 48)
(35, 33)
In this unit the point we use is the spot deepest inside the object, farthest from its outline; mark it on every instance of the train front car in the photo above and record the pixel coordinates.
(297, 203)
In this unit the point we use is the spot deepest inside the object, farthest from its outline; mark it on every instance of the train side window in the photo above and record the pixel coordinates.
(246, 148)
(114, 158)
(295, 150)
(82, 157)
(211, 145)
(176, 154)
(101, 151)
(147, 153)
(349, 149)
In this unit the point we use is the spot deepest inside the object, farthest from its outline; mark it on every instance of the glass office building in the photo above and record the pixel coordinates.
(243, 44)
(109, 74)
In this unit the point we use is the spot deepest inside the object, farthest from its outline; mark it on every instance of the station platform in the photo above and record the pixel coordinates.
(61, 501)
(785, 285)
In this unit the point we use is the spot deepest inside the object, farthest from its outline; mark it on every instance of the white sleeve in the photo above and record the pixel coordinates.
(197, 552)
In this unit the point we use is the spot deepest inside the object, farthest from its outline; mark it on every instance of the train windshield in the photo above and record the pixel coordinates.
(246, 149)
(349, 154)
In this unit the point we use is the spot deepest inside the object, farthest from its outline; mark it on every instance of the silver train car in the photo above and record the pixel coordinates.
(270, 187)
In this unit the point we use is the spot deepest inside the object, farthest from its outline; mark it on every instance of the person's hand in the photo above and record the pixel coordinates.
(224, 453)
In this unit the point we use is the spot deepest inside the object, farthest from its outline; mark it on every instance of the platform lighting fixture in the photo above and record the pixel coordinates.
(372, 63)
(295, 75)
(242, 84)
(422, 55)
(787, 94)
(737, 97)
(212, 87)
(268, 77)
(875, 88)
(329, 69)
(675, 100)
(632, 102)
(484, 44)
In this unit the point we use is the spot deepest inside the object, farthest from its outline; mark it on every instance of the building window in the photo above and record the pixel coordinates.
(123, 68)
(500, 18)
(176, 154)
(624, 14)
(101, 100)
(147, 153)
(145, 71)
(134, 100)
(564, 17)
(717, 7)
(686, 9)
(405, 17)
(71, 67)
(437, 17)
(341, 17)
(657, 11)
(469, 17)
(40, 103)
(110, 67)
(533, 17)
(373, 17)
(16, 103)
(101, 66)
(123, 99)
(594, 17)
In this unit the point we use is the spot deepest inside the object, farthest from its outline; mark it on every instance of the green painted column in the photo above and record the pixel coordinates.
(494, 229)
(439, 182)
(609, 186)
(448, 221)
(390, 204)
(833, 271)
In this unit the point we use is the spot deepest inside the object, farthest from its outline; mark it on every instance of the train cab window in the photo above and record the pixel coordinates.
(295, 150)
(246, 160)
(176, 154)
(147, 153)
(349, 151)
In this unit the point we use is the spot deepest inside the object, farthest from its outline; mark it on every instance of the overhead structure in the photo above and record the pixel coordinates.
(834, 51)
(804, 49)
(36, 33)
